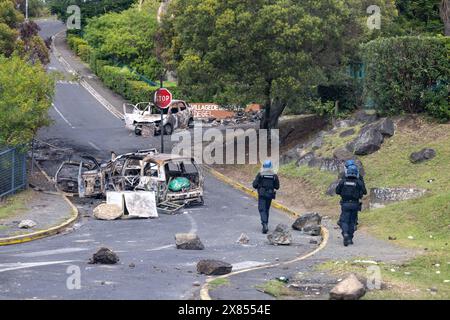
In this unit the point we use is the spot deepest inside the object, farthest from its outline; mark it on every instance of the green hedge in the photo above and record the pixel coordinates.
(408, 74)
(119, 79)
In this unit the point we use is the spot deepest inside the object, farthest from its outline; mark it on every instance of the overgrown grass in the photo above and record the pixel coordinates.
(334, 141)
(14, 204)
(219, 282)
(277, 289)
(319, 179)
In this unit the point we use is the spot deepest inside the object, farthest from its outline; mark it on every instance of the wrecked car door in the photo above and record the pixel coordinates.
(90, 182)
(66, 177)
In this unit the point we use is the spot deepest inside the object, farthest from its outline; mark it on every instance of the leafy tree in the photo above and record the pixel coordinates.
(25, 96)
(9, 15)
(35, 7)
(424, 16)
(127, 38)
(8, 38)
(88, 8)
(273, 52)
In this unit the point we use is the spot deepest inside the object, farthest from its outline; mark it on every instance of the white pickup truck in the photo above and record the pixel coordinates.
(178, 115)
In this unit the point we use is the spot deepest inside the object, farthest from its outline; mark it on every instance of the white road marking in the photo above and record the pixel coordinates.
(161, 248)
(94, 146)
(17, 266)
(49, 252)
(62, 116)
(101, 100)
(194, 227)
(247, 264)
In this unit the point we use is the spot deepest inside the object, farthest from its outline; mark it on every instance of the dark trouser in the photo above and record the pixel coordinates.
(348, 219)
(264, 207)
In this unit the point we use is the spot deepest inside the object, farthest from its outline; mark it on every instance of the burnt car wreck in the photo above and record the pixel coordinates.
(144, 170)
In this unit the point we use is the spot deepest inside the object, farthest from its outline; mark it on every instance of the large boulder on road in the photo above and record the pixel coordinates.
(280, 236)
(27, 224)
(308, 220)
(188, 241)
(422, 155)
(348, 289)
(368, 142)
(107, 212)
(213, 267)
(104, 256)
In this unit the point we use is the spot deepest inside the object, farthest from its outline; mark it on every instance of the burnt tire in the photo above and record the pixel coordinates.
(168, 129)
(138, 130)
(191, 123)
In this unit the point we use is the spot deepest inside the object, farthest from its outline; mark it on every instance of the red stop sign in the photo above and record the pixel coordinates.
(163, 98)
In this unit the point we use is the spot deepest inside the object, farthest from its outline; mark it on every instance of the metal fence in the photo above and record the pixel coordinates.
(13, 170)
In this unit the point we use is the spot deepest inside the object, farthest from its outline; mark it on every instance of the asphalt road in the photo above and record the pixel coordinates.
(43, 268)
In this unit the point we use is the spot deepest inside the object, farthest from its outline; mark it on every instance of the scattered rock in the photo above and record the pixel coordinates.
(196, 284)
(313, 241)
(331, 191)
(27, 224)
(132, 265)
(362, 116)
(327, 164)
(379, 197)
(342, 154)
(213, 267)
(348, 289)
(311, 219)
(347, 133)
(243, 239)
(317, 143)
(104, 256)
(305, 159)
(392, 238)
(280, 236)
(188, 241)
(385, 126)
(107, 212)
(423, 155)
(291, 156)
(368, 142)
(312, 230)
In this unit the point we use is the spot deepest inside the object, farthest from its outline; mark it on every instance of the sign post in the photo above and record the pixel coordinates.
(163, 99)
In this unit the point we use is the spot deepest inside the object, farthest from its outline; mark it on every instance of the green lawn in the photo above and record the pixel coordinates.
(14, 204)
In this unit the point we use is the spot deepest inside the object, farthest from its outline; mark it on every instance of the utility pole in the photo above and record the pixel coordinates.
(26, 10)
(161, 126)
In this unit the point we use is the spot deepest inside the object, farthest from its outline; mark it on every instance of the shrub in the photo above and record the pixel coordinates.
(408, 74)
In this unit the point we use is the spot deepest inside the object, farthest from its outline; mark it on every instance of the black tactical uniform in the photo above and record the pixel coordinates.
(351, 190)
(266, 183)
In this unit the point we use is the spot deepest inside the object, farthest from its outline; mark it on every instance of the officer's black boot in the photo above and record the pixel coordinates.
(350, 241)
(346, 240)
(265, 228)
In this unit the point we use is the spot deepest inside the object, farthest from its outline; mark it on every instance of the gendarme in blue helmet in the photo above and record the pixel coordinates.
(267, 164)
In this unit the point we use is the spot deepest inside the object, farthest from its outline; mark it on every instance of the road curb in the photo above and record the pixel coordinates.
(204, 291)
(48, 232)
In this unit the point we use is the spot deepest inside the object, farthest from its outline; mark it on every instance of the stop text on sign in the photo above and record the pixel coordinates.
(163, 98)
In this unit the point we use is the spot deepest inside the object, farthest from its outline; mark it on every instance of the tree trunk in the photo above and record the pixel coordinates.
(444, 12)
(264, 123)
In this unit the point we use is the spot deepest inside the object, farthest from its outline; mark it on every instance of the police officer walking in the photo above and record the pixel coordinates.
(266, 182)
(351, 188)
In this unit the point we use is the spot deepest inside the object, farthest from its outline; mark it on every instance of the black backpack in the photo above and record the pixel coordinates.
(267, 186)
(351, 191)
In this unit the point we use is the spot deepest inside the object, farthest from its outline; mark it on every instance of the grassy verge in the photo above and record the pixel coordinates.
(277, 289)
(219, 282)
(14, 204)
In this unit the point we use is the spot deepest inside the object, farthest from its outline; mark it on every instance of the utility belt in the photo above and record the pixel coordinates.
(359, 203)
